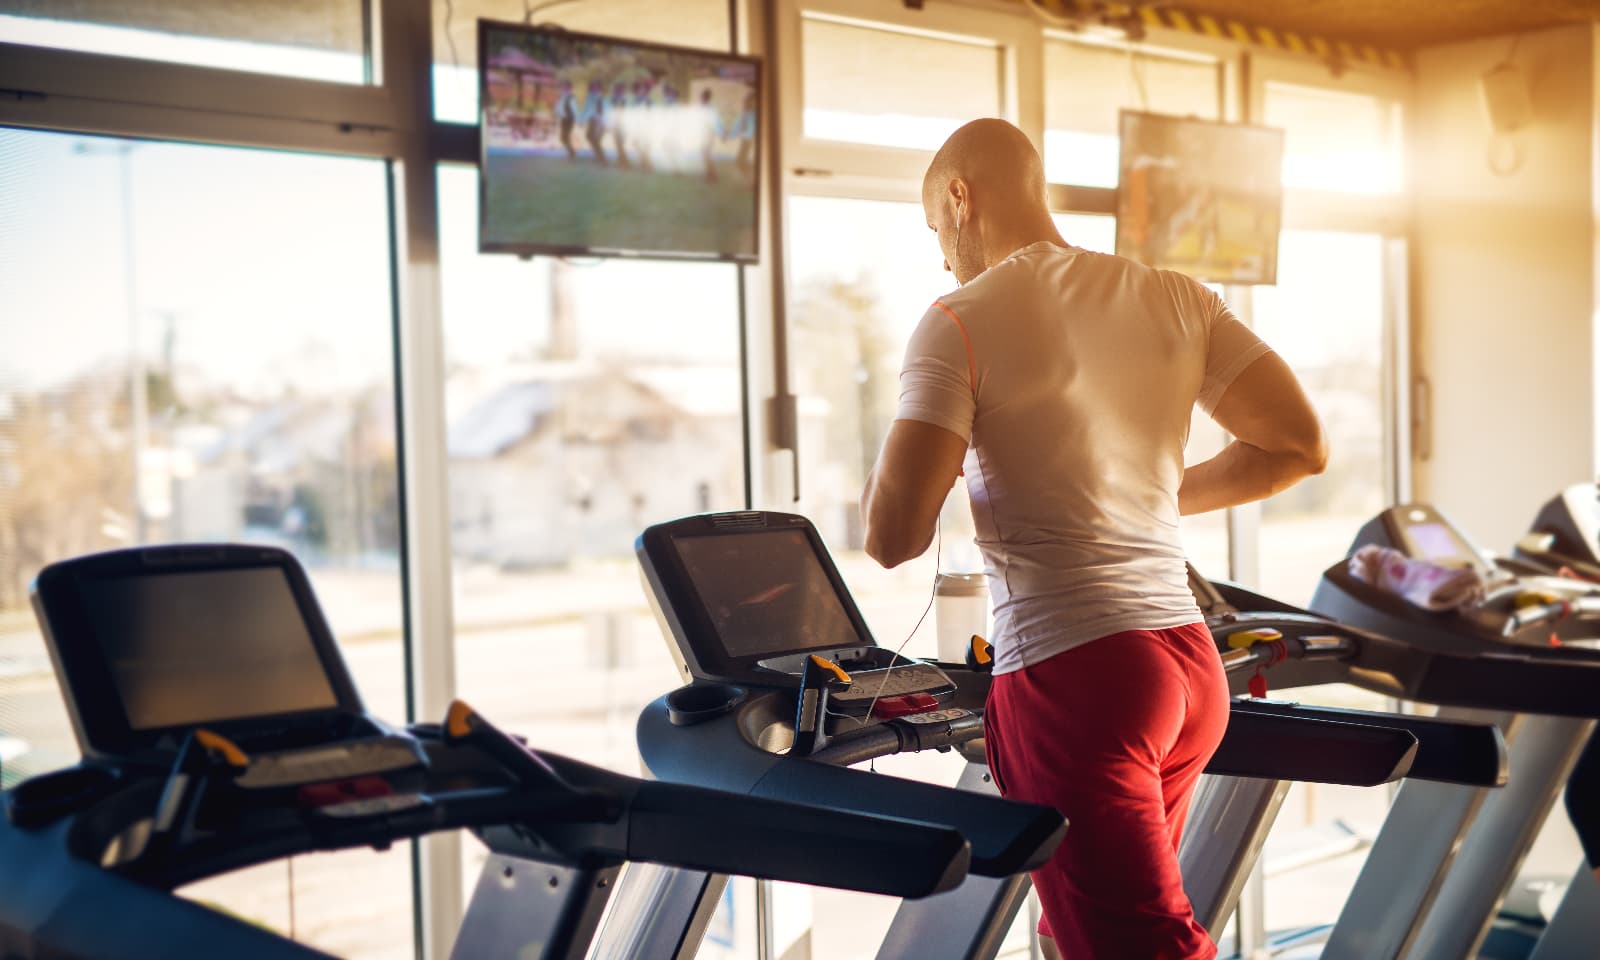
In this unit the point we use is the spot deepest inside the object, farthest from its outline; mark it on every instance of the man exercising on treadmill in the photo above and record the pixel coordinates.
(1064, 380)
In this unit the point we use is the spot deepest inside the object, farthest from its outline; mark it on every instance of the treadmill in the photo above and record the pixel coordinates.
(788, 687)
(1564, 539)
(220, 728)
(1261, 642)
(1447, 854)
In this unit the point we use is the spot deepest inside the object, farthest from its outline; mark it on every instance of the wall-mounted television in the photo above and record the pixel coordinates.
(1200, 197)
(592, 145)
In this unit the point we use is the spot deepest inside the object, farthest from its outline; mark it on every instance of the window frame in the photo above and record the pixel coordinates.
(391, 118)
(1013, 34)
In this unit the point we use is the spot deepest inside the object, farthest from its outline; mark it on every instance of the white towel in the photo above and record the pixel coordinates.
(1427, 585)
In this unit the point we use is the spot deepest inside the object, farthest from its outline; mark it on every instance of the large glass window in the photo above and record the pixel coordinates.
(587, 399)
(1328, 325)
(184, 358)
(1337, 140)
(862, 274)
(1087, 85)
(871, 85)
(684, 23)
(321, 41)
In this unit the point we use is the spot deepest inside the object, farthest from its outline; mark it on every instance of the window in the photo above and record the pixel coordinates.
(1326, 319)
(684, 23)
(851, 310)
(870, 84)
(181, 359)
(1337, 140)
(320, 41)
(586, 400)
(1086, 85)
(1327, 323)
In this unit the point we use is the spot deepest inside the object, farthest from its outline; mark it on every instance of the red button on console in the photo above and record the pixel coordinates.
(904, 705)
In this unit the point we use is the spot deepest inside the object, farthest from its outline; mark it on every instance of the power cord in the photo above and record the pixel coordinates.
(529, 9)
(938, 556)
(861, 721)
(450, 41)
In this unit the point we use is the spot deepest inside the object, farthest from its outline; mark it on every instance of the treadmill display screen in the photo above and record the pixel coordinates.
(766, 593)
(180, 652)
(1435, 541)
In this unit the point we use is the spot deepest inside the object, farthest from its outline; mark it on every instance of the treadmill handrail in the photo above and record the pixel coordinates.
(1448, 751)
(728, 753)
(1272, 746)
(884, 739)
(584, 814)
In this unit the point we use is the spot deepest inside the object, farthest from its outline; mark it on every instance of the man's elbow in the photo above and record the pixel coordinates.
(885, 549)
(888, 540)
(1313, 455)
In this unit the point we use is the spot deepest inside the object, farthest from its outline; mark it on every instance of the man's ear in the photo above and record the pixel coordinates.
(960, 197)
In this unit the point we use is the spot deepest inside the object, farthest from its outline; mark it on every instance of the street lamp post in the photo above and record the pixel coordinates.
(138, 393)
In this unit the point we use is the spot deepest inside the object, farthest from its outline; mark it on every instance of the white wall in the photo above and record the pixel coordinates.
(1504, 283)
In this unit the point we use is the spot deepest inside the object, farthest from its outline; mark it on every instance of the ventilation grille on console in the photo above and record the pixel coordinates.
(739, 518)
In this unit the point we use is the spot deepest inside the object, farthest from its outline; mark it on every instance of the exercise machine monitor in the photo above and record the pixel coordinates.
(150, 643)
(751, 597)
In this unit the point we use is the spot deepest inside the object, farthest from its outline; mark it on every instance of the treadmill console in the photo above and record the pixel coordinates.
(1567, 532)
(1421, 532)
(152, 643)
(750, 596)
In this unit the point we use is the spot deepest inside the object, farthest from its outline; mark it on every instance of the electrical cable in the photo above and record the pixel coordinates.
(938, 550)
(450, 41)
(529, 9)
(1136, 69)
(1038, 9)
(938, 539)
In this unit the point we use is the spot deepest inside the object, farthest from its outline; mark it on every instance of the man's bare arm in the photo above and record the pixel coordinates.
(1278, 441)
(917, 466)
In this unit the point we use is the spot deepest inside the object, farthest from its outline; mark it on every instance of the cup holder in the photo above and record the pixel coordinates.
(50, 796)
(699, 702)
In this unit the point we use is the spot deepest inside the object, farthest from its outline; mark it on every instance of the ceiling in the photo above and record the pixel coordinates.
(1402, 24)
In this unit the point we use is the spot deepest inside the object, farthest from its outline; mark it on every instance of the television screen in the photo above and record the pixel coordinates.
(1200, 197)
(591, 145)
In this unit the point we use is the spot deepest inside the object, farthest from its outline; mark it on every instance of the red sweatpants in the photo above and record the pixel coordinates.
(1114, 734)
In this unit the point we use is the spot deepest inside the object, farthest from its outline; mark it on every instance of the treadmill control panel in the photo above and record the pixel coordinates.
(1422, 533)
(905, 680)
(750, 597)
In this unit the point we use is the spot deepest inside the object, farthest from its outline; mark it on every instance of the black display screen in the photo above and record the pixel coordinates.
(199, 647)
(767, 593)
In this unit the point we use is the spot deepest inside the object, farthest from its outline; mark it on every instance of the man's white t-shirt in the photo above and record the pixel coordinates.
(1072, 376)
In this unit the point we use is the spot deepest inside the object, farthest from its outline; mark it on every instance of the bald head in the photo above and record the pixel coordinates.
(985, 189)
(995, 159)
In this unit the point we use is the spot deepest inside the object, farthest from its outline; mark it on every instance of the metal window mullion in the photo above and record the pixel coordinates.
(405, 55)
(134, 82)
(145, 122)
(1397, 369)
